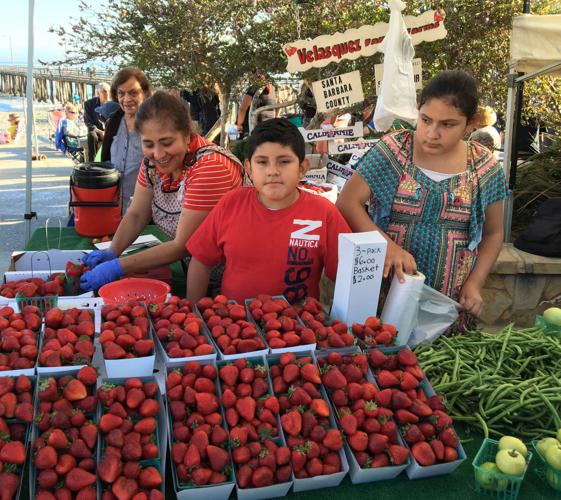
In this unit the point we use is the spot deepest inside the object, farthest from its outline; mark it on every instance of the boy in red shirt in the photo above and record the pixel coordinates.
(272, 237)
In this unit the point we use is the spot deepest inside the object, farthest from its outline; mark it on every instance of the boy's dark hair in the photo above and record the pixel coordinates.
(280, 131)
(166, 109)
(455, 86)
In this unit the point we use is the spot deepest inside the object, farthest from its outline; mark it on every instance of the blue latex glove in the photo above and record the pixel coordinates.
(106, 272)
(92, 259)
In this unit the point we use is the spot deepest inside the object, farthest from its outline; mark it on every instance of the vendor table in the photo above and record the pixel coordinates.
(459, 485)
(67, 239)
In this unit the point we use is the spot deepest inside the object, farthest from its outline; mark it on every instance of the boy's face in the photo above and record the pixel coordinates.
(275, 171)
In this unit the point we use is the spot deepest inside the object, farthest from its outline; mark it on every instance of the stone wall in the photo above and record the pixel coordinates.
(520, 286)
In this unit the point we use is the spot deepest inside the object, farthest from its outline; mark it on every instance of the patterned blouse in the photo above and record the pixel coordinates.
(439, 222)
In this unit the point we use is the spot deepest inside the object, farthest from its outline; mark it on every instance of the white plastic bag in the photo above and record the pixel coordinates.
(397, 97)
(436, 313)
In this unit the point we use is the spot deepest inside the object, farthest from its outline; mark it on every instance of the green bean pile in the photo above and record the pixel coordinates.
(501, 383)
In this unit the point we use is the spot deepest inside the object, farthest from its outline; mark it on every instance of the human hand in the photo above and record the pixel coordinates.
(92, 259)
(104, 273)
(400, 260)
(470, 298)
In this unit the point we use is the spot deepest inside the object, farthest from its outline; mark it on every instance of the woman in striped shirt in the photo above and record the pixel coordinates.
(179, 181)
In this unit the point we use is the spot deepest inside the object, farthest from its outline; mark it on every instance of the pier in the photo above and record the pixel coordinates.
(52, 83)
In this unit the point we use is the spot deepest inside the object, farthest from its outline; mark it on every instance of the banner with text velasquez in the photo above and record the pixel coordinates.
(360, 42)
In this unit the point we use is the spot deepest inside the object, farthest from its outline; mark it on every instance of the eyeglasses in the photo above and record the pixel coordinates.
(71, 112)
(133, 94)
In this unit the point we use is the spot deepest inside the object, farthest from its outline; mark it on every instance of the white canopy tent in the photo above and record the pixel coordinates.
(535, 49)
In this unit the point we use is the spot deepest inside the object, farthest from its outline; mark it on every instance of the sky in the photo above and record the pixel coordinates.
(15, 22)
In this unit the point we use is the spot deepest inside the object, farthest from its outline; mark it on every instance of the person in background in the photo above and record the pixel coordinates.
(13, 120)
(259, 97)
(436, 198)
(487, 120)
(71, 128)
(484, 138)
(121, 143)
(181, 178)
(205, 108)
(93, 120)
(273, 237)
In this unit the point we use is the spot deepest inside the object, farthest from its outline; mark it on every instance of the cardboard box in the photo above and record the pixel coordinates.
(206, 492)
(44, 260)
(296, 348)
(359, 276)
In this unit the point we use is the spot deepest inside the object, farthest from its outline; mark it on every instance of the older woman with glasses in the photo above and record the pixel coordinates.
(121, 143)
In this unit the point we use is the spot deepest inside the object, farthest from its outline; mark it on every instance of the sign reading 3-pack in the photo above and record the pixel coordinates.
(338, 91)
(359, 42)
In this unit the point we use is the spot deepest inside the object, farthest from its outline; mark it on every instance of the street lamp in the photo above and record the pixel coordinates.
(11, 51)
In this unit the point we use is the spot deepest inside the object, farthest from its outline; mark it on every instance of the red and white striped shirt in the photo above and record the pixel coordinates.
(206, 181)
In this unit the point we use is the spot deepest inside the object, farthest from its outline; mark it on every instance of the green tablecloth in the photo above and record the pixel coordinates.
(459, 485)
(68, 239)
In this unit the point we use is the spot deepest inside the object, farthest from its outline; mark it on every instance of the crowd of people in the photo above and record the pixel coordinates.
(435, 196)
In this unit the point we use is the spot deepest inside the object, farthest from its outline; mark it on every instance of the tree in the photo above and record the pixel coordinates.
(202, 42)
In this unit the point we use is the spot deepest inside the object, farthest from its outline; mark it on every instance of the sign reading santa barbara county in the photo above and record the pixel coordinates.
(330, 134)
(359, 42)
(338, 91)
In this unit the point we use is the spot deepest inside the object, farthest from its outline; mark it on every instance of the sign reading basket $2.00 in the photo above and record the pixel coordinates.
(338, 91)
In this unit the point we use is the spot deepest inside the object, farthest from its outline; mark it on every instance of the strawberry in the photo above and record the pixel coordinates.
(109, 422)
(412, 434)
(405, 417)
(406, 357)
(334, 379)
(385, 378)
(408, 382)
(13, 452)
(109, 468)
(124, 488)
(310, 373)
(145, 425)
(438, 448)
(423, 453)
(135, 397)
(436, 402)
(333, 440)
(292, 422)
(57, 439)
(450, 454)
(75, 390)
(261, 477)
(217, 457)
(9, 485)
(358, 441)
(206, 403)
(46, 458)
(149, 408)
(321, 407)
(24, 412)
(243, 476)
(246, 407)
(440, 420)
(201, 476)
(398, 454)
(149, 478)
(88, 433)
(400, 400)
(449, 437)
(349, 424)
(78, 478)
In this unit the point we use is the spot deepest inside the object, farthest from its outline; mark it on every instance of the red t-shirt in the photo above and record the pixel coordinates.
(270, 251)
(207, 180)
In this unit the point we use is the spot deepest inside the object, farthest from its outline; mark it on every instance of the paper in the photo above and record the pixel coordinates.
(144, 241)
(402, 305)
(359, 276)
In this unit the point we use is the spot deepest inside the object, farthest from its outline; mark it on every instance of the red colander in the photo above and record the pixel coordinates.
(142, 289)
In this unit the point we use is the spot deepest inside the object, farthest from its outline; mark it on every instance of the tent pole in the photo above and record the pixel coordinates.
(29, 122)
(509, 141)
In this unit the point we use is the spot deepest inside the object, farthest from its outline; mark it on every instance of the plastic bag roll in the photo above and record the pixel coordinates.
(402, 304)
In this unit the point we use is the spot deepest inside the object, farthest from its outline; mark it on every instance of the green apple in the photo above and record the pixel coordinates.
(511, 462)
(489, 478)
(553, 315)
(545, 443)
(553, 478)
(513, 443)
(553, 456)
